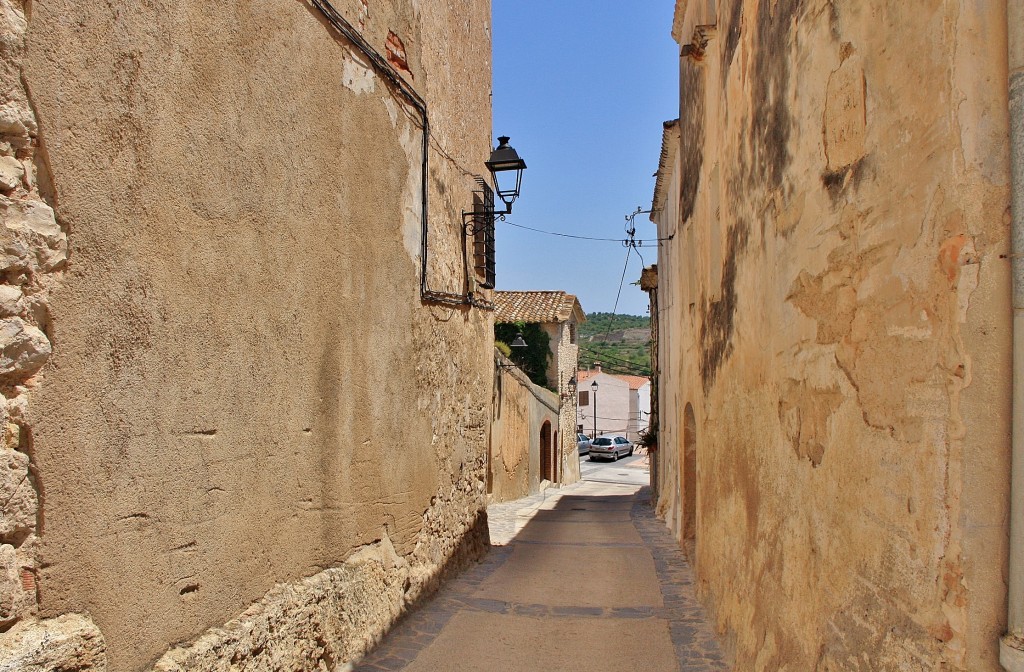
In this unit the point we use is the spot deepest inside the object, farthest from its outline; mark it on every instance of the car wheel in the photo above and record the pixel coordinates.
(630, 451)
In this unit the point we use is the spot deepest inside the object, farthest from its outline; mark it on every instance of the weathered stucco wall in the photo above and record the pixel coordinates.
(245, 390)
(836, 314)
(520, 411)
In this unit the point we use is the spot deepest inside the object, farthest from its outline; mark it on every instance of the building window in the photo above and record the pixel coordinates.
(585, 398)
(483, 235)
(572, 333)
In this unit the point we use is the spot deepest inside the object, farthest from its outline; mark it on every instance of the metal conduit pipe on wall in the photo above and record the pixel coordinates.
(1011, 646)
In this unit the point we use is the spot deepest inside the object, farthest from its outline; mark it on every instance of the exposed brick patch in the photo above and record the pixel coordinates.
(397, 57)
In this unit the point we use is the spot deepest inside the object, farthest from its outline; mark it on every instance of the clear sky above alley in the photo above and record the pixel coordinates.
(582, 88)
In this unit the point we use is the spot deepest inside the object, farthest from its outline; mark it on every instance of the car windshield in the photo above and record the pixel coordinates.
(602, 441)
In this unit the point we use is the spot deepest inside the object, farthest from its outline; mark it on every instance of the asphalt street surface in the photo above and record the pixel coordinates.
(580, 578)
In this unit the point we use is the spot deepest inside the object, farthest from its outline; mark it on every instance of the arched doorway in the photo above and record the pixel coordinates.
(688, 483)
(547, 462)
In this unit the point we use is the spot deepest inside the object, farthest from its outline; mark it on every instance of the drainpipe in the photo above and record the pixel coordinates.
(1011, 646)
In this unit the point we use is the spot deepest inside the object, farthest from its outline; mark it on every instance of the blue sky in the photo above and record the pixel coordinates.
(582, 88)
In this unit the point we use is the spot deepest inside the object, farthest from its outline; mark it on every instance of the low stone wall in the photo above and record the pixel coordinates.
(69, 643)
(335, 617)
(326, 621)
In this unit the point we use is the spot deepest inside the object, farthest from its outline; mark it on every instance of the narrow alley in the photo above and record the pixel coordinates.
(309, 308)
(579, 578)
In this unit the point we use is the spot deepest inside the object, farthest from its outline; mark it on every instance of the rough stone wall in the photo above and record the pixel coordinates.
(33, 263)
(837, 313)
(252, 443)
(568, 363)
(520, 410)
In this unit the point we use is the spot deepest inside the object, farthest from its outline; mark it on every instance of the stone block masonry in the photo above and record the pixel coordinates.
(33, 255)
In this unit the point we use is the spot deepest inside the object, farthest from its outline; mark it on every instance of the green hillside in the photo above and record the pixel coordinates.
(620, 342)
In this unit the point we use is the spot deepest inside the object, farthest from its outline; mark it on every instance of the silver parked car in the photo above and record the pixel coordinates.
(582, 443)
(610, 446)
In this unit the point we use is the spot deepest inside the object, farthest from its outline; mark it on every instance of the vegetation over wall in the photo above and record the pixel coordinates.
(622, 343)
(533, 359)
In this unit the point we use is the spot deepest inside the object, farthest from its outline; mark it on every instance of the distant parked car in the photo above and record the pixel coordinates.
(582, 444)
(610, 446)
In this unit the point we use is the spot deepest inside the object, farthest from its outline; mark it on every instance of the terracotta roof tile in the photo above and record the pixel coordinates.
(635, 382)
(536, 307)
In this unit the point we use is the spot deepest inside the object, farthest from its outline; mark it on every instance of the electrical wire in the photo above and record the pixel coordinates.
(616, 368)
(621, 241)
(399, 84)
(563, 235)
(625, 372)
(601, 417)
(611, 357)
(618, 295)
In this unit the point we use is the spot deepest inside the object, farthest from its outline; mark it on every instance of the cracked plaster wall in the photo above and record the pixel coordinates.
(836, 309)
(250, 434)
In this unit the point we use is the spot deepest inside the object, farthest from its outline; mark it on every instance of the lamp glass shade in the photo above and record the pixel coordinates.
(518, 342)
(507, 171)
(593, 386)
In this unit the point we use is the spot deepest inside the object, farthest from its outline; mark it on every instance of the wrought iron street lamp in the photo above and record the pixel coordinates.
(593, 386)
(507, 173)
(506, 168)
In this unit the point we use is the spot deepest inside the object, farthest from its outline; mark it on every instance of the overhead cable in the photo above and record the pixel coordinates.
(621, 241)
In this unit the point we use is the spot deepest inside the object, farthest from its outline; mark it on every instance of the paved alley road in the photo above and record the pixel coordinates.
(583, 578)
(633, 470)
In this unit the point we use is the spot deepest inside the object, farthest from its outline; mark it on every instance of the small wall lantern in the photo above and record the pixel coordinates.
(518, 342)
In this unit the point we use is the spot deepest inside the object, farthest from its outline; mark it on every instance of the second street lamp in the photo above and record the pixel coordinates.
(593, 386)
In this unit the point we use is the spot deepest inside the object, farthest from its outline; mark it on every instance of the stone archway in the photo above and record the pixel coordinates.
(688, 482)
